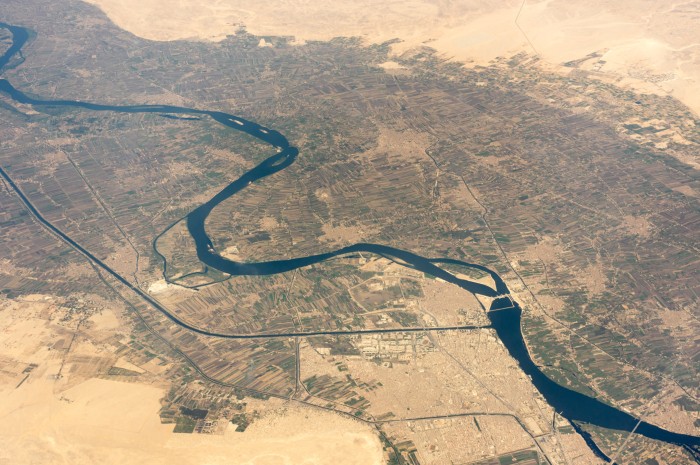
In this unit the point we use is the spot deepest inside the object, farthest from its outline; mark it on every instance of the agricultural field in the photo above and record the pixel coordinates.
(581, 195)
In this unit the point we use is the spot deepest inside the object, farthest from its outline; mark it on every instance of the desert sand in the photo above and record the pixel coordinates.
(649, 45)
(109, 422)
(72, 420)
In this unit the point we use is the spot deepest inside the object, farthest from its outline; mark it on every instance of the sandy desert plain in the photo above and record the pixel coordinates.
(648, 45)
(65, 416)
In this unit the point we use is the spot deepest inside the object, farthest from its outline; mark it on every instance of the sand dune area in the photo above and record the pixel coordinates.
(649, 45)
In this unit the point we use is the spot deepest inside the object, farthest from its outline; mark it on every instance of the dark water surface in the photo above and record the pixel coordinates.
(505, 314)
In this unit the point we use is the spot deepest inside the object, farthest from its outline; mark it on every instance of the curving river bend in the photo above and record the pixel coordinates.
(505, 314)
